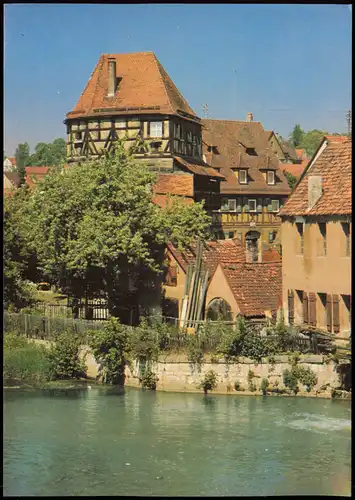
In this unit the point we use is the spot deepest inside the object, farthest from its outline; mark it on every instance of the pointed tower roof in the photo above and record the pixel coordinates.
(143, 86)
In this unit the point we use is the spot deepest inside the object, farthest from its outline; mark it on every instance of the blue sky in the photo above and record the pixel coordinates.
(286, 64)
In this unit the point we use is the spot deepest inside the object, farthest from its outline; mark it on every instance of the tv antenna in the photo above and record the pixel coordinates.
(205, 110)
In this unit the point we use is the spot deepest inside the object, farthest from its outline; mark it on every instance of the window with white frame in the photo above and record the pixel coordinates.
(156, 129)
(275, 204)
(252, 205)
(242, 176)
(228, 205)
(270, 177)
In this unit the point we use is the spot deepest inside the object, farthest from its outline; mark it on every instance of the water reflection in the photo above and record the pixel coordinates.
(144, 443)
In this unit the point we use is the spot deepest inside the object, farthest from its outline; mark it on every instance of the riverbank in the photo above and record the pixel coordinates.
(176, 374)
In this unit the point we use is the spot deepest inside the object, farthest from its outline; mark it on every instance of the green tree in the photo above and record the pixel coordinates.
(17, 254)
(22, 155)
(51, 154)
(291, 179)
(312, 140)
(296, 136)
(95, 226)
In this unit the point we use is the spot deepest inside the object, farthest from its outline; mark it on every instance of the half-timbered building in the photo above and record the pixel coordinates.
(254, 189)
(131, 96)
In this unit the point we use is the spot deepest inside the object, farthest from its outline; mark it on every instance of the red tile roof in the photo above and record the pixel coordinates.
(271, 255)
(175, 184)
(35, 174)
(143, 87)
(214, 253)
(337, 138)
(296, 169)
(198, 167)
(164, 200)
(232, 139)
(256, 287)
(334, 167)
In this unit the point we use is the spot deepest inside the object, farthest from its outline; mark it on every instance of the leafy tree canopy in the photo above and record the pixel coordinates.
(22, 154)
(52, 154)
(297, 136)
(94, 225)
(291, 179)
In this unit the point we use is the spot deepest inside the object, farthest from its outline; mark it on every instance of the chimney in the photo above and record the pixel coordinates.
(314, 190)
(111, 77)
(250, 117)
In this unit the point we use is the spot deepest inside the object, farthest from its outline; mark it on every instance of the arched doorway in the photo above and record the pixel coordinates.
(252, 246)
(219, 309)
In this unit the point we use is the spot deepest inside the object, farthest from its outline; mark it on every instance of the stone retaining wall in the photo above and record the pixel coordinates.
(176, 374)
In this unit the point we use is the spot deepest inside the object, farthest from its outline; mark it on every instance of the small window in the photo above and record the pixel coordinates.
(270, 177)
(242, 176)
(346, 230)
(272, 236)
(212, 149)
(189, 136)
(252, 205)
(228, 205)
(78, 136)
(178, 130)
(229, 235)
(323, 231)
(251, 151)
(300, 229)
(156, 129)
(275, 204)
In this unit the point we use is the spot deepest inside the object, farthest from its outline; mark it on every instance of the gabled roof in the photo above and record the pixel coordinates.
(295, 169)
(337, 138)
(256, 287)
(333, 165)
(214, 253)
(232, 139)
(198, 167)
(174, 184)
(143, 87)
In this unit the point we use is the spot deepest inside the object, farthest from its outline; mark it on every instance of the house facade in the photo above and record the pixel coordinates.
(130, 96)
(235, 287)
(254, 188)
(316, 243)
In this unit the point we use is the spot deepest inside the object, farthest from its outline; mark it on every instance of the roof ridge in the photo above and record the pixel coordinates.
(231, 121)
(162, 81)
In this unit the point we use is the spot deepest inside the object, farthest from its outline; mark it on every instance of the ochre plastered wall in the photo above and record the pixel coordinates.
(313, 271)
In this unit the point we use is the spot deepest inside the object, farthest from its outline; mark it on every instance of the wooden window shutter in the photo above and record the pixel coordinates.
(291, 307)
(305, 308)
(336, 320)
(329, 313)
(312, 309)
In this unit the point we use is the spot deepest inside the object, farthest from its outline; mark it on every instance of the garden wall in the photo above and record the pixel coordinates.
(176, 374)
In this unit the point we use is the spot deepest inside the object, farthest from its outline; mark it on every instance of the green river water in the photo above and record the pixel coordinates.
(100, 442)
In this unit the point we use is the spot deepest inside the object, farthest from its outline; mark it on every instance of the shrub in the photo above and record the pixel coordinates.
(209, 382)
(111, 348)
(64, 357)
(148, 380)
(13, 340)
(290, 380)
(264, 385)
(25, 361)
(251, 385)
(238, 386)
(307, 377)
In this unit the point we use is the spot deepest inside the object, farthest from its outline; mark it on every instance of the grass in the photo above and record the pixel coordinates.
(50, 297)
(25, 363)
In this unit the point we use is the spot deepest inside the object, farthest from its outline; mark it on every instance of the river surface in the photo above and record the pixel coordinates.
(99, 442)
